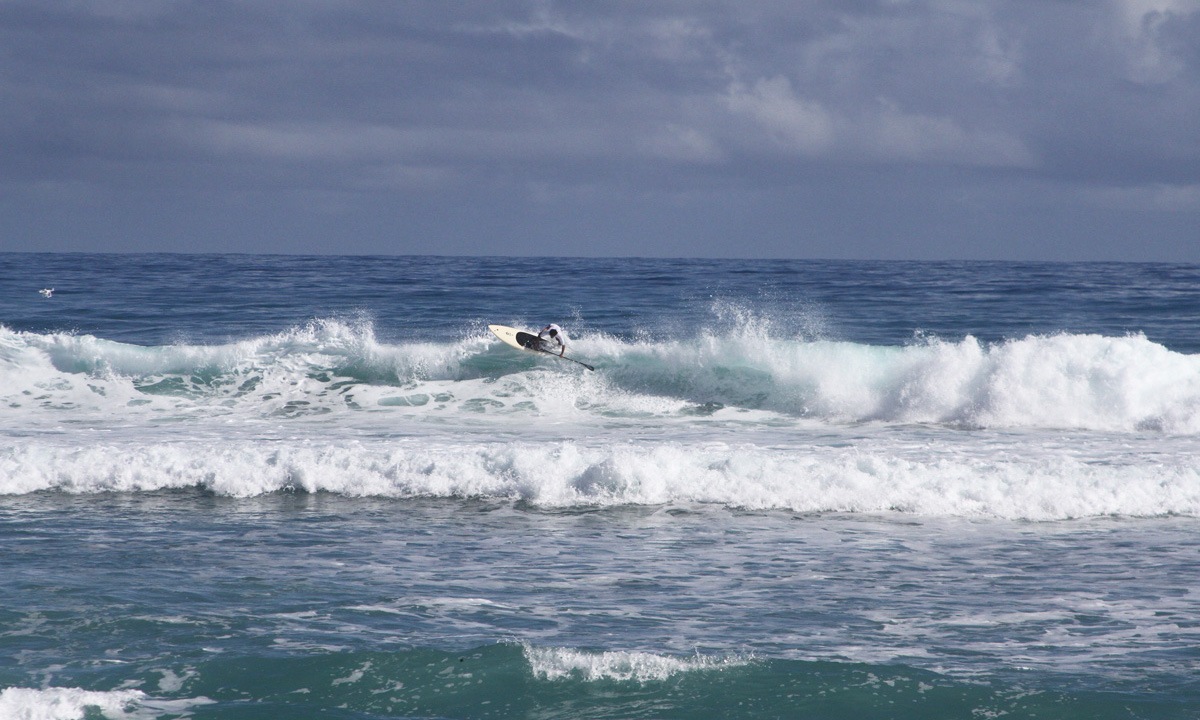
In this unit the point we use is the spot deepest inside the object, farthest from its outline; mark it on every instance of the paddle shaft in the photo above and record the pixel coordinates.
(564, 357)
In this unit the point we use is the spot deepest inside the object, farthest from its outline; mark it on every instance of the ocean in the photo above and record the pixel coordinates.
(237, 486)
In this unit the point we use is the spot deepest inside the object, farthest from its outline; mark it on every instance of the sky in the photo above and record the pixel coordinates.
(857, 129)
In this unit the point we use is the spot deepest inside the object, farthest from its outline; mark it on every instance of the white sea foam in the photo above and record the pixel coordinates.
(559, 663)
(877, 477)
(1038, 428)
(64, 703)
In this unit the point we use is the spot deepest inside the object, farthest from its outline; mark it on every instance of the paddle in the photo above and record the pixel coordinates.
(564, 357)
(589, 367)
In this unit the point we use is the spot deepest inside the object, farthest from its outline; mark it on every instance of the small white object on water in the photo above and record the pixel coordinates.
(46, 292)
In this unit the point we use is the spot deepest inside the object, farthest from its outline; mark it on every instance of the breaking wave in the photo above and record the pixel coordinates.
(1039, 428)
(864, 479)
(1084, 382)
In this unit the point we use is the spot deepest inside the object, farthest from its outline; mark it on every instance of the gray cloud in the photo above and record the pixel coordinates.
(889, 128)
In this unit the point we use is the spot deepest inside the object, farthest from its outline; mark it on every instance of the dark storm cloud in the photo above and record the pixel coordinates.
(889, 129)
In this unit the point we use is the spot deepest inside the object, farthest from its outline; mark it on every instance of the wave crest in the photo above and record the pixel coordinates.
(625, 666)
(865, 479)
(1087, 382)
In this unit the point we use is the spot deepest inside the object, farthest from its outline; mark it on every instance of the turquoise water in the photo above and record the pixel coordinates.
(243, 487)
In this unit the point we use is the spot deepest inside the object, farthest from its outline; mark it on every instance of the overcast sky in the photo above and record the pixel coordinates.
(916, 129)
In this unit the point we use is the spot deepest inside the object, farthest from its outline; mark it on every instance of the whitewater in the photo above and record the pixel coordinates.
(239, 487)
(1040, 427)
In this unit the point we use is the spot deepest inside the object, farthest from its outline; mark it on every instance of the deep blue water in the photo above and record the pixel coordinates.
(158, 299)
(314, 487)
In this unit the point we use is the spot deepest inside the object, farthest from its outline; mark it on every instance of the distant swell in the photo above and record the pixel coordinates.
(1085, 382)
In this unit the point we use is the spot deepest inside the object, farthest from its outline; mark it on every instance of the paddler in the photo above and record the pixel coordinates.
(553, 332)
